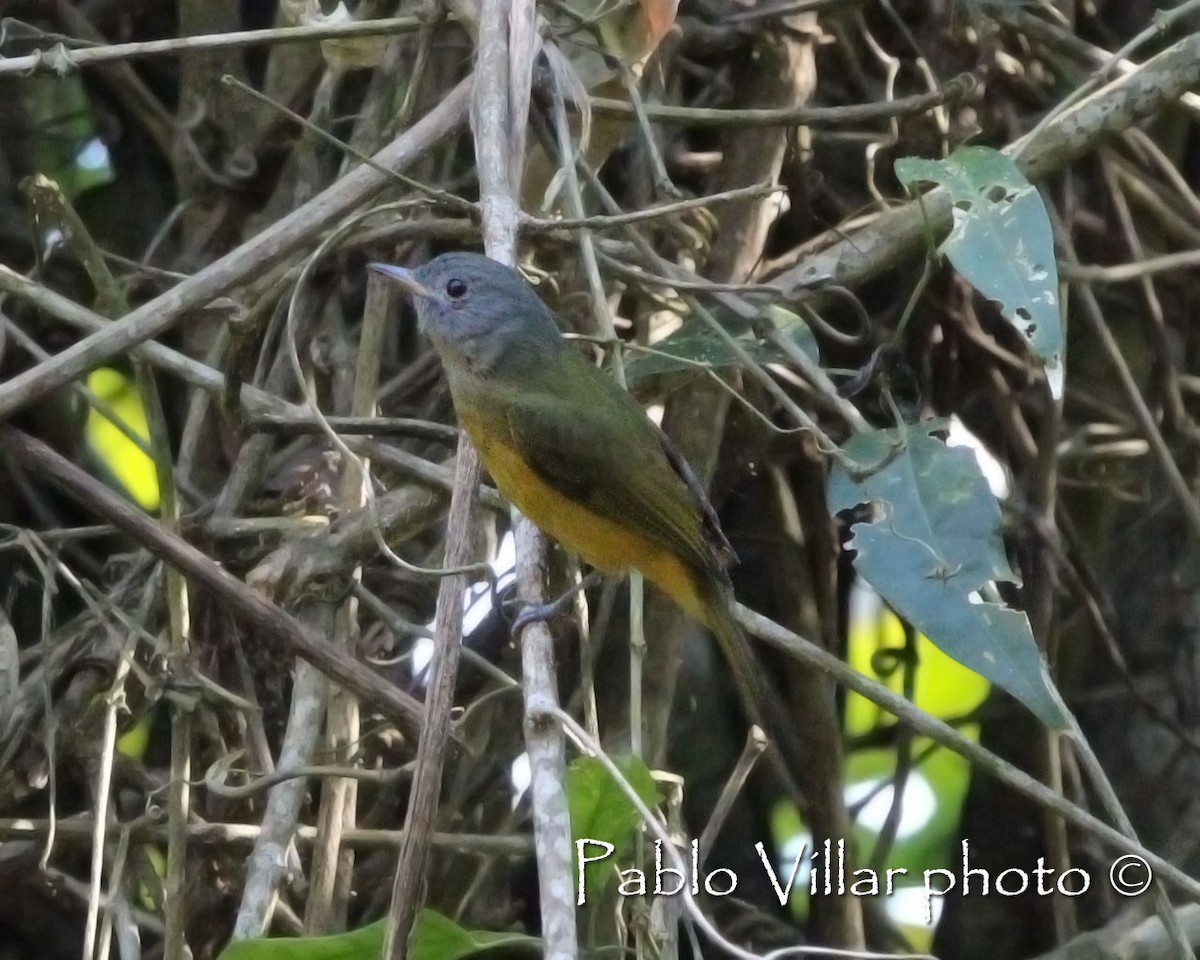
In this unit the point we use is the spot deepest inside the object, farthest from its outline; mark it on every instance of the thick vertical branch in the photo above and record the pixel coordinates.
(409, 883)
(332, 861)
(496, 143)
(499, 110)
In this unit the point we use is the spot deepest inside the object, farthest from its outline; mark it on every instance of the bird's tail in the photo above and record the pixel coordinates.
(762, 700)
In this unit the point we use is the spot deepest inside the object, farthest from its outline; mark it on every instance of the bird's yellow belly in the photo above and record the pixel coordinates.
(599, 541)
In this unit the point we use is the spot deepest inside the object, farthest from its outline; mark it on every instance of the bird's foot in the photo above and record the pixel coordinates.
(540, 612)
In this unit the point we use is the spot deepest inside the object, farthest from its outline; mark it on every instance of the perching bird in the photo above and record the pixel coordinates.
(573, 451)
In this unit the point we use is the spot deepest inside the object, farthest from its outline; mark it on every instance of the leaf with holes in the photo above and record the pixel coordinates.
(1001, 241)
(931, 546)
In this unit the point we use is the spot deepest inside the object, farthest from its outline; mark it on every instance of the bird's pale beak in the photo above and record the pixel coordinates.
(405, 276)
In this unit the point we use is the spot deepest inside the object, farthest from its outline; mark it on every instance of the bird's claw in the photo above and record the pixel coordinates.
(540, 612)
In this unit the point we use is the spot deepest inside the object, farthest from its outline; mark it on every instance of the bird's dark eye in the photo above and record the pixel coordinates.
(456, 289)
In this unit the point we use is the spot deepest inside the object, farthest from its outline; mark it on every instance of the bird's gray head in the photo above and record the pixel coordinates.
(479, 313)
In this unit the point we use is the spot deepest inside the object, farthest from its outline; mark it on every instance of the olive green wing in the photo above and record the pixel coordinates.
(712, 525)
(597, 447)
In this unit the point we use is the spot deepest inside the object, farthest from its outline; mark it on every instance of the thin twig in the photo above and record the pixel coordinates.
(267, 861)
(408, 883)
(273, 623)
(851, 260)
(253, 257)
(253, 401)
(500, 94)
(96, 402)
(941, 732)
(1064, 38)
(1094, 317)
(79, 831)
(61, 60)
(332, 865)
(287, 424)
(671, 852)
(816, 117)
(752, 750)
(1159, 27)
(1137, 270)
(602, 221)
(431, 193)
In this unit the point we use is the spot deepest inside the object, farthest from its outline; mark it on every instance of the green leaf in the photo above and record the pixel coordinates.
(601, 812)
(67, 148)
(365, 943)
(435, 937)
(793, 326)
(1001, 242)
(932, 545)
(695, 342)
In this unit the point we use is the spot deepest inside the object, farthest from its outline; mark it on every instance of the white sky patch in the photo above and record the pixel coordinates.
(797, 844)
(1054, 378)
(506, 556)
(422, 656)
(907, 905)
(53, 239)
(865, 604)
(917, 808)
(993, 471)
(521, 777)
(477, 600)
(93, 155)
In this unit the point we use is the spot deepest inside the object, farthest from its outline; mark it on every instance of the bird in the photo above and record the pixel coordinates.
(573, 450)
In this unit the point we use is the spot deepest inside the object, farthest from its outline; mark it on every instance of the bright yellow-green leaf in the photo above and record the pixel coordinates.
(128, 464)
(132, 743)
(158, 862)
(944, 687)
